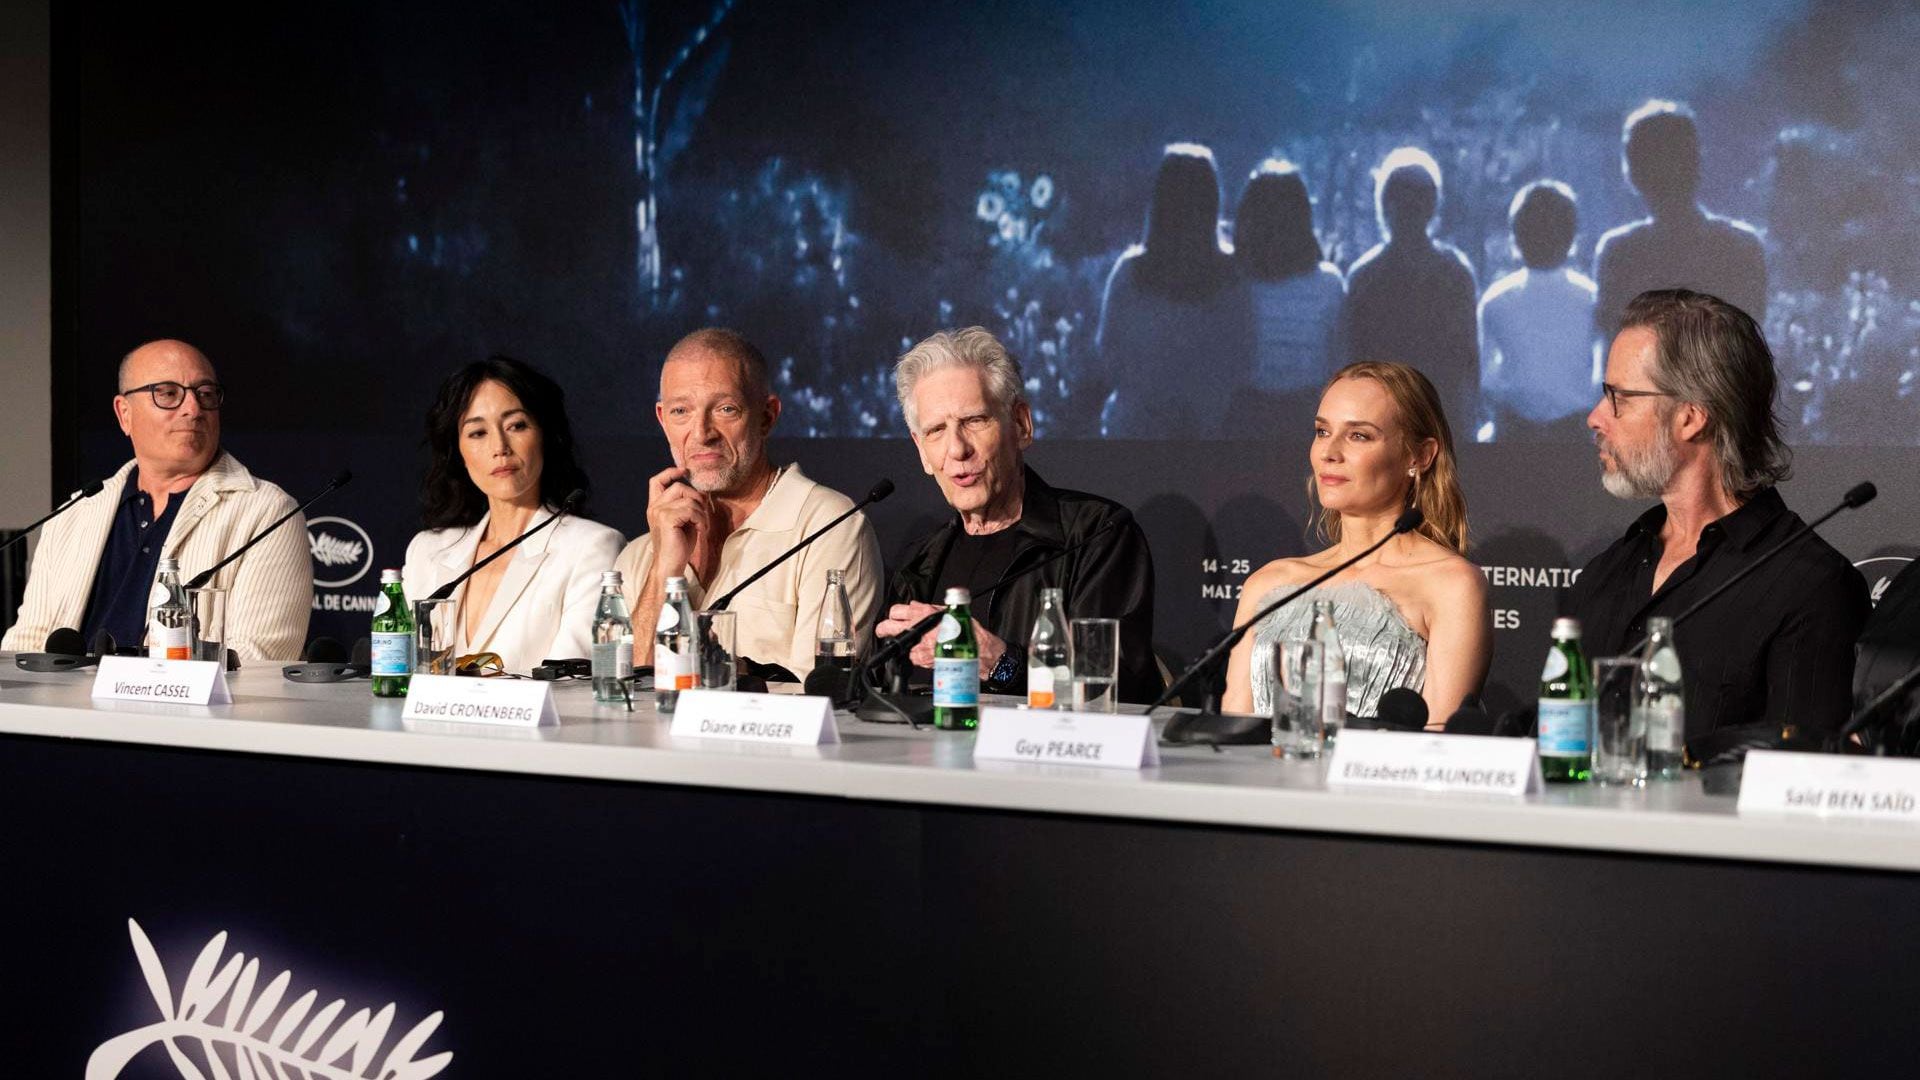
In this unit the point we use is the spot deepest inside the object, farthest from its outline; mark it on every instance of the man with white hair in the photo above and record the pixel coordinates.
(724, 511)
(1686, 416)
(966, 408)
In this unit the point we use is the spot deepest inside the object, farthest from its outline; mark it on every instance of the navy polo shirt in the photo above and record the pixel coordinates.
(123, 581)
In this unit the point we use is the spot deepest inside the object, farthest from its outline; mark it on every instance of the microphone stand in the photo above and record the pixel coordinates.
(1208, 725)
(1857, 496)
(566, 506)
(880, 491)
(91, 489)
(1898, 689)
(206, 575)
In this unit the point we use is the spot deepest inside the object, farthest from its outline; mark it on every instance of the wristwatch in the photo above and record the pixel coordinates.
(1008, 668)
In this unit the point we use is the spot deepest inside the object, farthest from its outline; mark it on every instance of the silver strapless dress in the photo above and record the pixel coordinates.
(1382, 650)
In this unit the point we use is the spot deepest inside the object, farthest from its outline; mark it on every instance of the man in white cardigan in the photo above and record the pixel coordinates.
(181, 497)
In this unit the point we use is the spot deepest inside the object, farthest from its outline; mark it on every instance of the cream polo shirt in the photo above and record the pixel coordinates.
(778, 613)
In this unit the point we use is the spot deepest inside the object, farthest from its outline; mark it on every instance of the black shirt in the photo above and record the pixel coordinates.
(1776, 649)
(975, 563)
(123, 582)
(1111, 576)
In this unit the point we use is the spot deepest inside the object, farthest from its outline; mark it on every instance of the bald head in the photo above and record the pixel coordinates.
(165, 355)
(169, 443)
(716, 343)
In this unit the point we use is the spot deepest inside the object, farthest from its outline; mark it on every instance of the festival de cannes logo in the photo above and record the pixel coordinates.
(1880, 572)
(298, 1043)
(342, 552)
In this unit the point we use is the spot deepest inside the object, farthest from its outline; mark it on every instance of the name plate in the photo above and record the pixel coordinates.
(177, 682)
(467, 700)
(1480, 764)
(785, 719)
(1830, 785)
(1106, 740)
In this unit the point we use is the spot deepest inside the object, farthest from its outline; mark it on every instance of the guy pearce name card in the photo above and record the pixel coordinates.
(1107, 740)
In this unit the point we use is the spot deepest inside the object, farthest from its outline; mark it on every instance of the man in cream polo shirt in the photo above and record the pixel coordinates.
(724, 511)
(181, 497)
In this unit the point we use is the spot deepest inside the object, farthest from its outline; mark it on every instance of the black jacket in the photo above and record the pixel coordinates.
(1112, 578)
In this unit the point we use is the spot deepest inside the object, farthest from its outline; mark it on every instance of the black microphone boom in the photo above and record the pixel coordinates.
(340, 480)
(879, 491)
(574, 498)
(1857, 496)
(91, 489)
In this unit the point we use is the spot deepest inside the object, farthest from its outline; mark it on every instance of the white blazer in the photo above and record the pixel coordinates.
(545, 603)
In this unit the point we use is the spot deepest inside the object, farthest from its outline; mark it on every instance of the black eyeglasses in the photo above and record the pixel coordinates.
(1615, 393)
(169, 395)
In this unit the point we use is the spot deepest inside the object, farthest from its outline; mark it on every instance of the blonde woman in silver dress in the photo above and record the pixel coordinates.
(1412, 614)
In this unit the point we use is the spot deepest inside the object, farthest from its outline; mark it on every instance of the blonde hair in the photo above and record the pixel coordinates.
(1436, 491)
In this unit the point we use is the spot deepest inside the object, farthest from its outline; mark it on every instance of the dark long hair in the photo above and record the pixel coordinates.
(1273, 230)
(449, 499)
(1182, 257)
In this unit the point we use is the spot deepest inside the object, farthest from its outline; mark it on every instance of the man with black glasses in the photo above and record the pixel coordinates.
(1686, 416)
(181, 497)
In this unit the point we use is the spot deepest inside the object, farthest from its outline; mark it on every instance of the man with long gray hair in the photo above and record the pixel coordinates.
(1686, 416)
(966, 408)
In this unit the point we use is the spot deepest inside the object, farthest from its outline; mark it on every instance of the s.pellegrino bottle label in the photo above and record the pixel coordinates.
(392, 654)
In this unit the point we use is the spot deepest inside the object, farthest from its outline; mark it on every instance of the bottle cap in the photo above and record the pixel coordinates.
(1660, 624)
(957, 595)
(609, 577)
(1565, 629)
(676, 584)
(389, 576)
(167, 564)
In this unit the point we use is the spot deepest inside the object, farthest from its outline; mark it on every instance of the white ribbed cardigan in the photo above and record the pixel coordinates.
(269, 589)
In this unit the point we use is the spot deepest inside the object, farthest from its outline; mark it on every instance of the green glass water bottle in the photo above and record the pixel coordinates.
(956, 667)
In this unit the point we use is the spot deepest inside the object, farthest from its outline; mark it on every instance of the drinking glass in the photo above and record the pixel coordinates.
(1096, 665)
(1619, 736)
(713, 636)
(209, 607)
(433, 636)
(1299, 726)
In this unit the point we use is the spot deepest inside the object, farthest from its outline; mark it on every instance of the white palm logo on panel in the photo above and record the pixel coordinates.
(297, 1046)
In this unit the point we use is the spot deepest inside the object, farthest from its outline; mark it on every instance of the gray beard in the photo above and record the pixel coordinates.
(1642, 475)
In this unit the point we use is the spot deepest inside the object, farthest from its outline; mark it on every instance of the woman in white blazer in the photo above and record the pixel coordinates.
(502, 461)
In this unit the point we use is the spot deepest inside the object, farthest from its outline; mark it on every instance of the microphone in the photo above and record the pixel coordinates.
(574, 498)
(879, 491)
(91, 489)
(1856, 723)
(1248, 730)
(1471, 718)
(327, 661)
(1857, 496)
(1401, 709)
(66, 650)
(340, 480)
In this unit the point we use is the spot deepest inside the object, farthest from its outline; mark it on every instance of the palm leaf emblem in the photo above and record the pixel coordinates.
(300, 1045)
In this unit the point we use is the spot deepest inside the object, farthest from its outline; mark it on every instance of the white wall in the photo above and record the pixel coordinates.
(26, 279)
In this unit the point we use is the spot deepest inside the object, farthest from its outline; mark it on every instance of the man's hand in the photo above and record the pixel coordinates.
(679, 519)
(901, 617)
